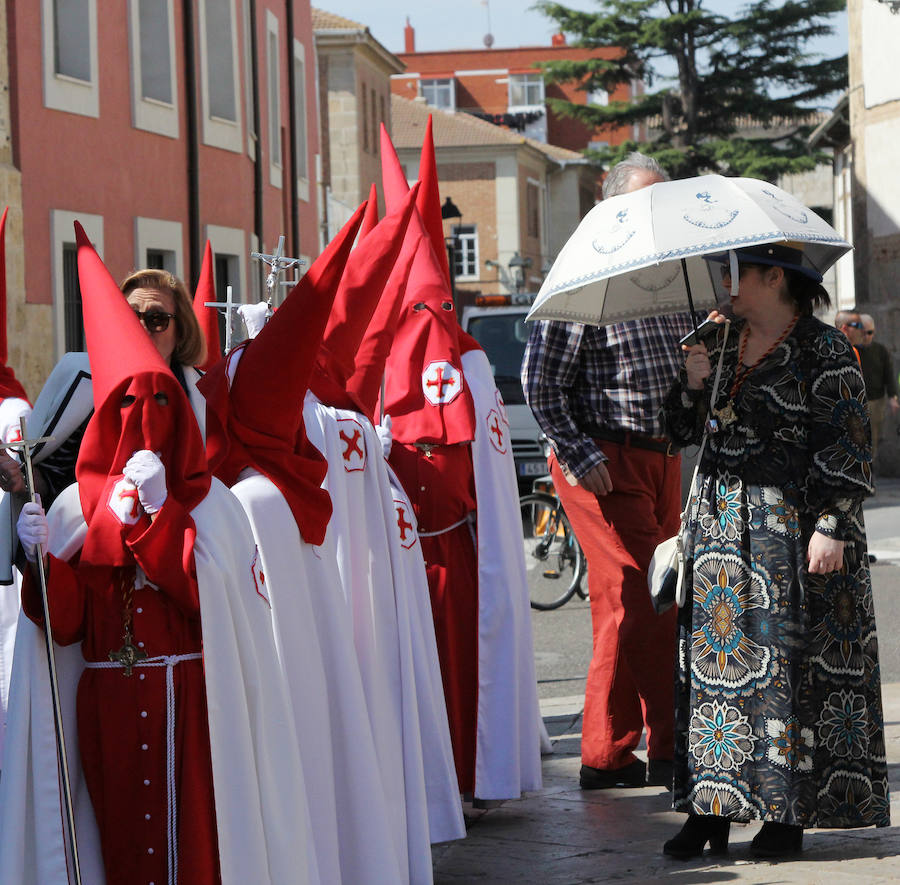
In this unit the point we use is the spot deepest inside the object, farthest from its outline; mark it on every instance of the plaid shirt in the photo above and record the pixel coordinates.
(580, 380)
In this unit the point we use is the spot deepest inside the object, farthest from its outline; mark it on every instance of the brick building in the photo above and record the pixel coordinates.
(157, 125)
(505, 86)
(517, 197)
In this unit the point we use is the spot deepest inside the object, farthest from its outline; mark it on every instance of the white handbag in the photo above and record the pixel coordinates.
(666, 573)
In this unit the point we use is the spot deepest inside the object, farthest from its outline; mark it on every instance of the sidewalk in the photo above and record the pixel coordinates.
(563, 836)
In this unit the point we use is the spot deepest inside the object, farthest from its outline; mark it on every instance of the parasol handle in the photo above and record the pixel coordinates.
(690, 297)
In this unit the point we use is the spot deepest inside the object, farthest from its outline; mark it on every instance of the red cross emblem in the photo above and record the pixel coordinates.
(501, 407)
(124, 502)
(496, 431)
(14, 435)
(441, 382)
(353, 444)
(259, 579)
(407, 530)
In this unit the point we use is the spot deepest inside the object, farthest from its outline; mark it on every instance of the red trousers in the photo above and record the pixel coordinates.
(630, 678)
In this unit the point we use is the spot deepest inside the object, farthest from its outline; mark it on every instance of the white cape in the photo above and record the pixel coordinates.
(507, 755)
(264, 830)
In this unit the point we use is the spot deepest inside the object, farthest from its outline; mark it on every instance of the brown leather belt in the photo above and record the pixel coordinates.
(637, 441)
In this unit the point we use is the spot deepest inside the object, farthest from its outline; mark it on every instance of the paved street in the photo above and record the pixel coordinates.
(562, 836)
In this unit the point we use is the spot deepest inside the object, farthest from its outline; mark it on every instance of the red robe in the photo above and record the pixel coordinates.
(441, 488)
(122, 720)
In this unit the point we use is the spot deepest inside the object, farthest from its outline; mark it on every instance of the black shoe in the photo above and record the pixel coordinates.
(631, 775)
(699, 829)
(659, 773)
(777, 840)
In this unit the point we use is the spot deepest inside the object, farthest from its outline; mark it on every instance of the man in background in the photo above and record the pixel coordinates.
(850, 324)
(597, 392)
(878, 374)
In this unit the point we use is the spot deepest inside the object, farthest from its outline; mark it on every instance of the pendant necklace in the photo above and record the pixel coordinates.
(128, 655)
(727, 415)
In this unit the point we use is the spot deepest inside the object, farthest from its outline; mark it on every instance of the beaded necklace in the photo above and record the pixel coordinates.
(727, 414)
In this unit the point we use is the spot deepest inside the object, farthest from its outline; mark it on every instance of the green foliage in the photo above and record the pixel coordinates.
(728, 71)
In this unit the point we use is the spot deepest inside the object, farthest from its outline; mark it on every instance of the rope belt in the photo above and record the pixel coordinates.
(444, 531)
(169, 662)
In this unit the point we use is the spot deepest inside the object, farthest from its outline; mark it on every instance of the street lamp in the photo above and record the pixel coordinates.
(517, 267)
(451, 210)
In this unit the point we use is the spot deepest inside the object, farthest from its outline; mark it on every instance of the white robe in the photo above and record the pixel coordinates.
(264, 831)
(507, 755)
(385, 613)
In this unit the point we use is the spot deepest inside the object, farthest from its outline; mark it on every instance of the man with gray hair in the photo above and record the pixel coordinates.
(596, 393)
(879, 377)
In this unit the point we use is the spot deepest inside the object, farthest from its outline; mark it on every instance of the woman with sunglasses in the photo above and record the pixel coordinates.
(163, 306)
(777, 699)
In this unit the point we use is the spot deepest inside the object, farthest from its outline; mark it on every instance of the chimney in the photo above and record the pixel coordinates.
(558, 39)
(409, 37)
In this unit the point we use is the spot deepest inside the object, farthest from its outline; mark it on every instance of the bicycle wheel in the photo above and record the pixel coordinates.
(554, 561)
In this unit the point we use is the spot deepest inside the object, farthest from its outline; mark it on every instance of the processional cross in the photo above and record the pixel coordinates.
(25, 447)
(229, 305)
(277, 262)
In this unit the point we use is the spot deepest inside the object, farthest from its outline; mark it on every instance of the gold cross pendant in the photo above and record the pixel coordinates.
(128, 655)
(726, 414)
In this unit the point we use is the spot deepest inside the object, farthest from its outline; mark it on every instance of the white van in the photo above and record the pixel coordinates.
(502, 331)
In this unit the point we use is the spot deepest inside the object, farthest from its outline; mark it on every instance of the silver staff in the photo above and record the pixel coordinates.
(25, 446)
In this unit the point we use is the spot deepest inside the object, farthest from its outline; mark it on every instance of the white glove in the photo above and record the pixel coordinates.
(255, 316)
(32, 528)
(148, 473)
(11, 410)
(384, 434)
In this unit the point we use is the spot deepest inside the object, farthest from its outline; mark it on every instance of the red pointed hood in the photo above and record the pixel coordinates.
(365, 277)
(370, 219)
(138, 404)
(425, 391)
(9, 384)
(208, 317)
(429, 200)
(364, 385)
(263, 409)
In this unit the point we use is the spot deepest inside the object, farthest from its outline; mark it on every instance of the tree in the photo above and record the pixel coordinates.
(727, 71)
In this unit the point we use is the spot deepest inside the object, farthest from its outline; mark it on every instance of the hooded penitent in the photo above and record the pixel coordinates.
(429, 200)
(208, 317)
(370, 219)
(9, 384)
(365, 277)
(270, 376)
(425, 391)
(138, 404)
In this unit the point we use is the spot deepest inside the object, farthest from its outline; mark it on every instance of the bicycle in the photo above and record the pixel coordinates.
(554, 560)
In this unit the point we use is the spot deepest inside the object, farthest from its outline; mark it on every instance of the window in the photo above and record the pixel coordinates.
(274, 77)
(465, 251)
(72, 39)
(526, 90)
(219, 75)
(375, 121)
(67, 315)
(598, 96)
(159, 243)
(69, 48)
(439, 93)
(152, 28)
(365, 116)
(533, 209)
(300, 133)
(248, 83)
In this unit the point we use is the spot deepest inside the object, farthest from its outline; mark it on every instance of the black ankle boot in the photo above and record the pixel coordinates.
(699, 829)
(777, 840)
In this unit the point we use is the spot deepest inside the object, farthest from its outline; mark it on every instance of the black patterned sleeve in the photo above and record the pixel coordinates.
(839, 438)
(684, 412)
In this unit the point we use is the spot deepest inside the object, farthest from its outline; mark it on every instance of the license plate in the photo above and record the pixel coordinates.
(533, 468)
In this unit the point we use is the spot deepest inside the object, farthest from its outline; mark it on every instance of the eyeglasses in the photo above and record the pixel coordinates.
(154, 320)
(870, 331)
(854, 325)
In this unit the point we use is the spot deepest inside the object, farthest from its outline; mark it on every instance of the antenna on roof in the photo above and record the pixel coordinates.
(488, 37)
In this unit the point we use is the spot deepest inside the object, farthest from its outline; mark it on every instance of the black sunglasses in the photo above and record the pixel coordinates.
(154, 320)
(742, 269)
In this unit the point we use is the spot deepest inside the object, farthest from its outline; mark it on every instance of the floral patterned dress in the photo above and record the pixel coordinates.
(778, 693)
